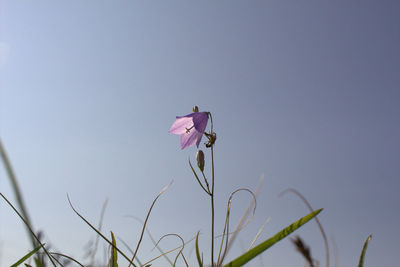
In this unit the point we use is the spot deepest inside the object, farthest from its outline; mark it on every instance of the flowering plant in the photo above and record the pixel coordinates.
(191, 129)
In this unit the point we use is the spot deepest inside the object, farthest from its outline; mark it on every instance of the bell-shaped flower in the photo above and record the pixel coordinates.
(190, 127)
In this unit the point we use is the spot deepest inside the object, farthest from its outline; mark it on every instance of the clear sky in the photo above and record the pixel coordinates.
(305, 92)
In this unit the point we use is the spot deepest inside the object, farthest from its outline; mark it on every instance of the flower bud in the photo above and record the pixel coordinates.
(200, 160)
(195, 109)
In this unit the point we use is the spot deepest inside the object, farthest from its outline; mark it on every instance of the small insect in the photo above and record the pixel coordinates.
(211, 139)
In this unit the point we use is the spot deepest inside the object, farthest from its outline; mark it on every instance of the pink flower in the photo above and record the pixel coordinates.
(190, 127)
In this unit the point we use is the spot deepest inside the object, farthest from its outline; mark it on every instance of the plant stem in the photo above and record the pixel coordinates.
(212, 193)
(212, 207)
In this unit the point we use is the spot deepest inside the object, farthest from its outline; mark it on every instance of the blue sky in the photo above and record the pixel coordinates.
(305, 93)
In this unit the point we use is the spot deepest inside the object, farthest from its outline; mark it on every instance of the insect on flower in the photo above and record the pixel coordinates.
(211, 139)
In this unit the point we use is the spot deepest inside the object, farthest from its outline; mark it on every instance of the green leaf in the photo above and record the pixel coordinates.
(361, 262)
(27, 256)
(197, 178)
(254, 252)
(199, 260)
(114, 252)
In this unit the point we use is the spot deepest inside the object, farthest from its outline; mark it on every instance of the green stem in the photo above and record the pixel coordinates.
(212, 194)
(212, 207)
(206, 182)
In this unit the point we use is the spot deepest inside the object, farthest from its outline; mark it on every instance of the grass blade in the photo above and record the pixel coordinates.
(145, 222)
(152, 240)
(197, 178)
(254, 252)
(316, 220)
(242, 222)
(67, 257)
(180, 253)
(27, 256)
(361, 262)
(258, 233)
(17, 193)
(159, 256)
(96, 243)
(38, 263)
(99, 233)
(199, 260)
(114, 252)
(130, 250)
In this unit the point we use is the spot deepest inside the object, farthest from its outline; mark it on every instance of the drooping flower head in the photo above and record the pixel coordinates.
(190, 127)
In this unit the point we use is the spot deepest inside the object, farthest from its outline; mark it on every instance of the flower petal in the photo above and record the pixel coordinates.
(191, 138)
(199, 139)
(181, 124)
(200, 120)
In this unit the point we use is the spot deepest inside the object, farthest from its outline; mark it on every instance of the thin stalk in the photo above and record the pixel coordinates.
(103, 210)
(100, 234)
(226, 227)
(226, 230)
(145, 223)
(152, 240)
(316, 220)
(29, 228)
(212, 197)
(206, 182)
(212, 227)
